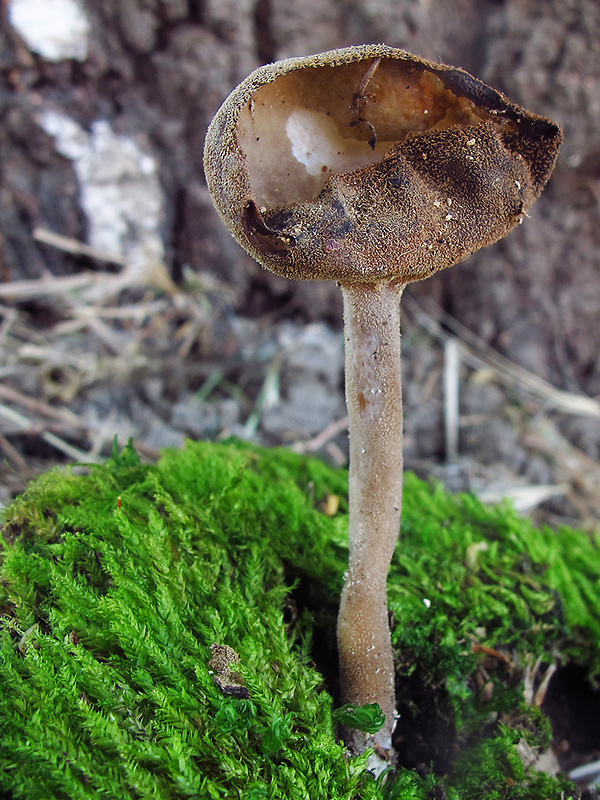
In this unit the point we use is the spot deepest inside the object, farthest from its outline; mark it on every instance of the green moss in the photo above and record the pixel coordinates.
(115, 582)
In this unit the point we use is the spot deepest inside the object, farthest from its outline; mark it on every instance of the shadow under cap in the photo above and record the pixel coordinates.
(441, 165)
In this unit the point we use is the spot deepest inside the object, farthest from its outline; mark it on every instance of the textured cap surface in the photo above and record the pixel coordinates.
(422, 165)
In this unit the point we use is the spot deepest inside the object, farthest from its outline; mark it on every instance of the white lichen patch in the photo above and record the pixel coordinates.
(56, 29)
(120, 192)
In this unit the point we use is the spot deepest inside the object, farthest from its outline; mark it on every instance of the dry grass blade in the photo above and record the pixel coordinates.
(523, 498)
(577, 475)
(63, 337)
(40, 407)
(12, 453)
(323, 438)
(582, 472)
(69, 450)
(587, 773)
(46, 286)
(27, 426)
(478, 353)
(74, 246)
(451, 378)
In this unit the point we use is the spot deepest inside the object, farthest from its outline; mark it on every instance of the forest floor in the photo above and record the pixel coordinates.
(107, 352)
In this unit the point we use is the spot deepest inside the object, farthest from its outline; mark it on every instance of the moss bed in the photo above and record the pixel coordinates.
(117, 579)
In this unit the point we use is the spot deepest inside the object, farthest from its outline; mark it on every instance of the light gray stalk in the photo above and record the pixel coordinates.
(374, 399)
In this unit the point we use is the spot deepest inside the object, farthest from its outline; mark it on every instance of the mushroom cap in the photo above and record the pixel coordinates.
(369, 163)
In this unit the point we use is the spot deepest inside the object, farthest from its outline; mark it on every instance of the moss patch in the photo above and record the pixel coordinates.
(115, 584)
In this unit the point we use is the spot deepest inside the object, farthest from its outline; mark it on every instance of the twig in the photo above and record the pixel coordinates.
(10, 316)
(106, 334)
(50, 438)
(267, 398)
(523, 498)
(319, 441)
(42, 287)
(69, 450)
(137, 313)
(336, 454)
(69, 245)
(583, 472)
(13, 453)
(477, 352)
(39, 407)
(13, 416)
(590, 773)
(451, 397)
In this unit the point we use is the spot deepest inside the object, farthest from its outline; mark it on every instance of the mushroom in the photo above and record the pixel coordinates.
(375, 168)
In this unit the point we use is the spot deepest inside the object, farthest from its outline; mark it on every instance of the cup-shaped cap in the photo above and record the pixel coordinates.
(368, 164)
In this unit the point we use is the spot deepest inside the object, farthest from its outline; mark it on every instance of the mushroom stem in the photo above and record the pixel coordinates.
(374, 399)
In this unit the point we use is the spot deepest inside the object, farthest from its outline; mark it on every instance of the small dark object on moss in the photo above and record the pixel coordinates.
(223, 664)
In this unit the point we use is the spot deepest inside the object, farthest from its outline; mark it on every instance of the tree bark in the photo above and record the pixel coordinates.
(157, 72)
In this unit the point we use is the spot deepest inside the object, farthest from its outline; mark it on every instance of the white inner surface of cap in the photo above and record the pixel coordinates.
(292, 150)
(317, 144)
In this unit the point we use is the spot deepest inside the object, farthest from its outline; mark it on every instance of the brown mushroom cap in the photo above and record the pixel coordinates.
(368, 164)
